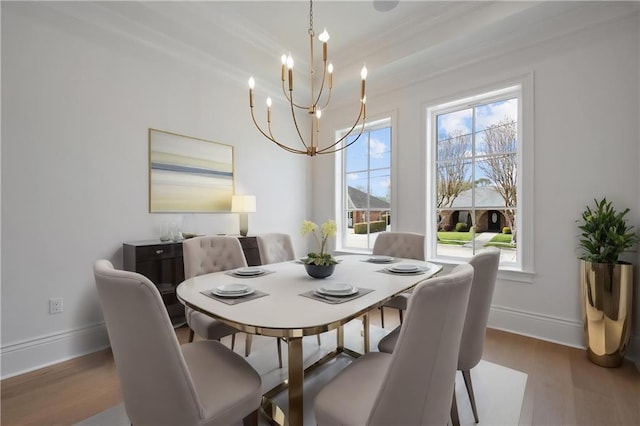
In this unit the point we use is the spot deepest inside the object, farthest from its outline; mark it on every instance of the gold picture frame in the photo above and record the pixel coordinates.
(189, 175)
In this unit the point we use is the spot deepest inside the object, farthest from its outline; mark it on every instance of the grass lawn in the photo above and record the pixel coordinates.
(501, 240)
(454, 238)
(460, 238)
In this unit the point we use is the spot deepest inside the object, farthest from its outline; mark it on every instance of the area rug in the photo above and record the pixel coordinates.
(499, 390)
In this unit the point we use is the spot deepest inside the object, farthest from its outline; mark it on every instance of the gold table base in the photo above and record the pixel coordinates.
(274, 414)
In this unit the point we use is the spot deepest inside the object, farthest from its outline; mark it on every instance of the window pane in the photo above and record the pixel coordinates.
(496, 127)
(452, 179)
(380, 184)
(493, 114)
(498, 173)
(453, 134)
(380, 148)
(357, 183)
(456, 145)
(356, 154)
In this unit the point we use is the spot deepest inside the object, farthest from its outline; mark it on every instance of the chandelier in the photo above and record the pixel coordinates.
(318, 101)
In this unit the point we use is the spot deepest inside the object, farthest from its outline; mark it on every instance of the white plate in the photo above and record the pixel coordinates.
(222, 293)
(404, 268)
(380, 259)
(337, 289)
(249, 271)
(232, 288)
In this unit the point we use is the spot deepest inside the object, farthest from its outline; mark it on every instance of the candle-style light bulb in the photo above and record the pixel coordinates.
(330, 71)
(252, 84)
(363, 74)
(318, 113)
(290, 66)
(283, 59)
(324, 36)
(268, 110)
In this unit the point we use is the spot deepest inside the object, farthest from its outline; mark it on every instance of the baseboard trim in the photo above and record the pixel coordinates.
(549, 328)
(29, 355)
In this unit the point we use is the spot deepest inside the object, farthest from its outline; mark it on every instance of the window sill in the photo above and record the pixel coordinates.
(505, 273)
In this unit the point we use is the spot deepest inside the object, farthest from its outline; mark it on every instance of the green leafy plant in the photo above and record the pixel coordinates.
(605, 233)
(461, 227)
(328, 229)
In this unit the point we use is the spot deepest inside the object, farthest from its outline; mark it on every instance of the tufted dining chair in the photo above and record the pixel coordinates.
(399, 244)
(163, 383)
(485, 265)
(274, 248)
(413, 385)
(203, 255)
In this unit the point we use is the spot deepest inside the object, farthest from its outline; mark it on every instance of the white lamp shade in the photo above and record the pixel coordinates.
(243, 203)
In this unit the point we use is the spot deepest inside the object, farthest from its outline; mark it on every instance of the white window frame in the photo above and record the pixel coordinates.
(384, 120)
(522, 88)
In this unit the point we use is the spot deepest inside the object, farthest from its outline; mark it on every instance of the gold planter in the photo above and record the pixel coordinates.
(607, 290)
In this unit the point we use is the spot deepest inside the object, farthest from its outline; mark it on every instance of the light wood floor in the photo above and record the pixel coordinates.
(563, 387)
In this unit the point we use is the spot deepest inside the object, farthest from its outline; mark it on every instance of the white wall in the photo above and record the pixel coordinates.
(77, 102)
(587, 145)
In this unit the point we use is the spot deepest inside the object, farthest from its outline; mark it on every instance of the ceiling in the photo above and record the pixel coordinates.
(411, 41)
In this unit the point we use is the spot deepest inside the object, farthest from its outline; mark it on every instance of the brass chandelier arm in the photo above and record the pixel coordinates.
(272, 139)
(290, 98)
(328, 98)
(330, 149)
(324, 75)
(295, 122)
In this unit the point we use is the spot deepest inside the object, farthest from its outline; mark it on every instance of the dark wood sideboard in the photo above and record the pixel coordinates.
(162, 263)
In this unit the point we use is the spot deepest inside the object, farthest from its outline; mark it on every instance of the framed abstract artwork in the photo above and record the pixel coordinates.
(189, 175)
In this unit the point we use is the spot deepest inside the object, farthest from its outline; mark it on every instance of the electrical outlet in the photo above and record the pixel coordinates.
(55, 305)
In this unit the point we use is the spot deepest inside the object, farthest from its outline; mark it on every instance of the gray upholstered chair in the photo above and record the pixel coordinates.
(485, 265)
(203, 255)
(163, 383)
(399, 244)
(414, 384)
(276, 247)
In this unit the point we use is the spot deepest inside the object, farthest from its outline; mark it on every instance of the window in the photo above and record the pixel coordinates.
(475, 188)
(364, 187)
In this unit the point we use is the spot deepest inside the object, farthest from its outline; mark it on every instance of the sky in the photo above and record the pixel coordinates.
(486, 115)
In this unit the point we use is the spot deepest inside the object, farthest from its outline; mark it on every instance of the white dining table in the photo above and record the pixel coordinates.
(283, 311)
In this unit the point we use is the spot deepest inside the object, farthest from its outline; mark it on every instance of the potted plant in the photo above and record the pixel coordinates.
(606, 282)
(319, 264)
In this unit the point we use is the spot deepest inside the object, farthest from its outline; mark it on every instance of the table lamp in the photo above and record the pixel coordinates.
(243, 204)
